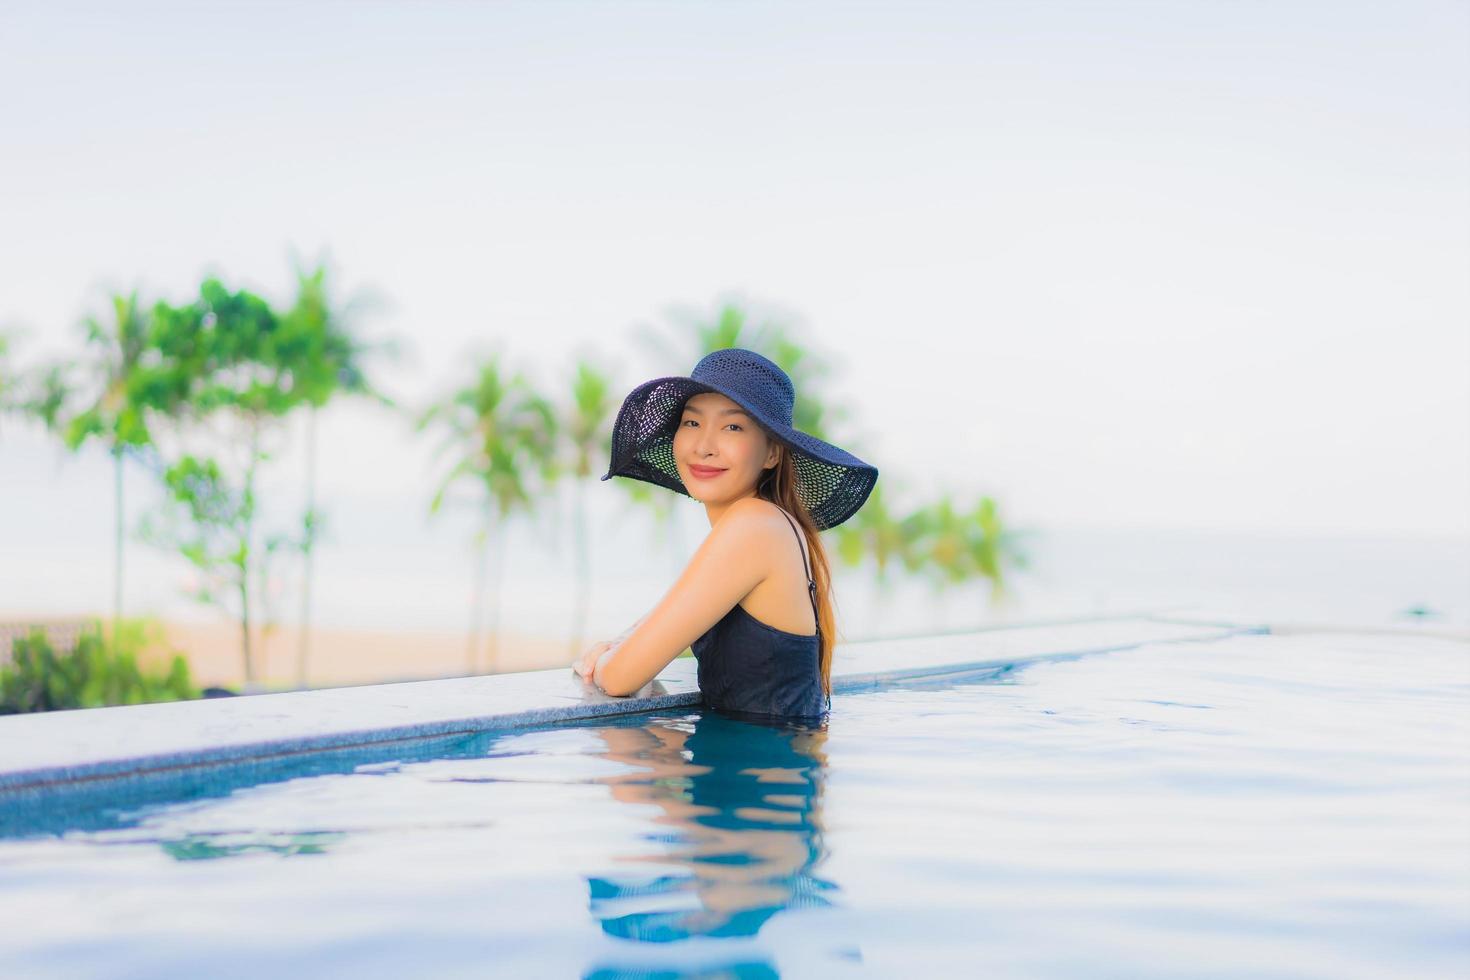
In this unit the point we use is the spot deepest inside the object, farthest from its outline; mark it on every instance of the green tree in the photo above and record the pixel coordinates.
(873, 532)
(995, 546)
(500, 435)
(588, 433)
(950, 545)
(319, 339)
(212, 524)
(118, 404)
(239, 375)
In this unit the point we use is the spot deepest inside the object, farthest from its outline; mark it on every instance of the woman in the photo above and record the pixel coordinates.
(754, 603)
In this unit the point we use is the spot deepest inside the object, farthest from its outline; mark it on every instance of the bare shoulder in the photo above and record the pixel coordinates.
(755, 516)
(752, 526)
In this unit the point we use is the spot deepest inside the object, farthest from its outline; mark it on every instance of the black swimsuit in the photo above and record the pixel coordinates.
(749, 667)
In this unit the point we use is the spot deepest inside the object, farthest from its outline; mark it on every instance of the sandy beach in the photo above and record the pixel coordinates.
(341, 657)
(338, 657)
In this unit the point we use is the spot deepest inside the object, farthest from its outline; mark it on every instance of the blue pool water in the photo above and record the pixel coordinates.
(1262, 806)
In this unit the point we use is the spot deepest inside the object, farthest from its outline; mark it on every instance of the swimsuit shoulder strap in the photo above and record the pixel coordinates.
(811, 585)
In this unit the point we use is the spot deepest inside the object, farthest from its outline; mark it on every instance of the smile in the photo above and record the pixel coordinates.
(704, 472)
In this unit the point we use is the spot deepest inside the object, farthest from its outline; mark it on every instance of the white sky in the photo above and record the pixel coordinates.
(1164, 264)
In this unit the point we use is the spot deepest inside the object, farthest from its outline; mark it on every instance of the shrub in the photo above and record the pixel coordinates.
(98, 671)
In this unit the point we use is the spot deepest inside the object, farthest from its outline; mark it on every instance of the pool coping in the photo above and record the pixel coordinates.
(44, 749)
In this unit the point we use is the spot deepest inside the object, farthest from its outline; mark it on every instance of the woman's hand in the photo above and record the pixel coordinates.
(586, 664)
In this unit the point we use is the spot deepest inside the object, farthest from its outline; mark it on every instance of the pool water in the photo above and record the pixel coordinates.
(1261, 806)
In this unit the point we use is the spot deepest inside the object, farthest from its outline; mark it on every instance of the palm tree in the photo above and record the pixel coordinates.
(588, 430)
(318, 339)
(501, 432)
(116, 414)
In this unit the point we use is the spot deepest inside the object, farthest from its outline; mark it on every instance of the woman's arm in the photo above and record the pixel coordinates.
(629, 631)
(732, 560)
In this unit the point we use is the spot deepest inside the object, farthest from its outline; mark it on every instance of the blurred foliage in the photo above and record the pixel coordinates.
(587, 432)
(38, 393)
(322, 343)
(201, 847)
(221, 372)
(201, 392)
(230, 366)
(949, 546)
(121, 386)
(588, 419)
(325, 349)
(212, 537)
(501, 437)
(238, 364)
(872, 531)
(499, 434)
(101, 669)
(8, 384)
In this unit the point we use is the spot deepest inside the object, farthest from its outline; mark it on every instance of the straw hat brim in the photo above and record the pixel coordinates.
(831, 482)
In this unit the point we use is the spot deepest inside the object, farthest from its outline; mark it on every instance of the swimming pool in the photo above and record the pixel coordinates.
(1260, 806)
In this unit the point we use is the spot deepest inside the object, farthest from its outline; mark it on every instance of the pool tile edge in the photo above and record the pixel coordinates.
(139, 739)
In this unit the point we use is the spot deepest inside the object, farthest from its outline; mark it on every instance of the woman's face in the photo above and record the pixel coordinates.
(720, 450)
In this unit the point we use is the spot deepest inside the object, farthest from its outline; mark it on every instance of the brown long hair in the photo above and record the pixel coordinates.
(778, 485)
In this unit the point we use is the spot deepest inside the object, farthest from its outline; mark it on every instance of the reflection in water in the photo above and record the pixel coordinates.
(742, 799)
(201, 847)
(736, 971)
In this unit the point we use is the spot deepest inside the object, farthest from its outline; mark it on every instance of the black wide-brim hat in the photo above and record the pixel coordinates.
(832, 482)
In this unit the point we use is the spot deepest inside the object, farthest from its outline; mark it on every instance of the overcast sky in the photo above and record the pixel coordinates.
(1170, 264)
